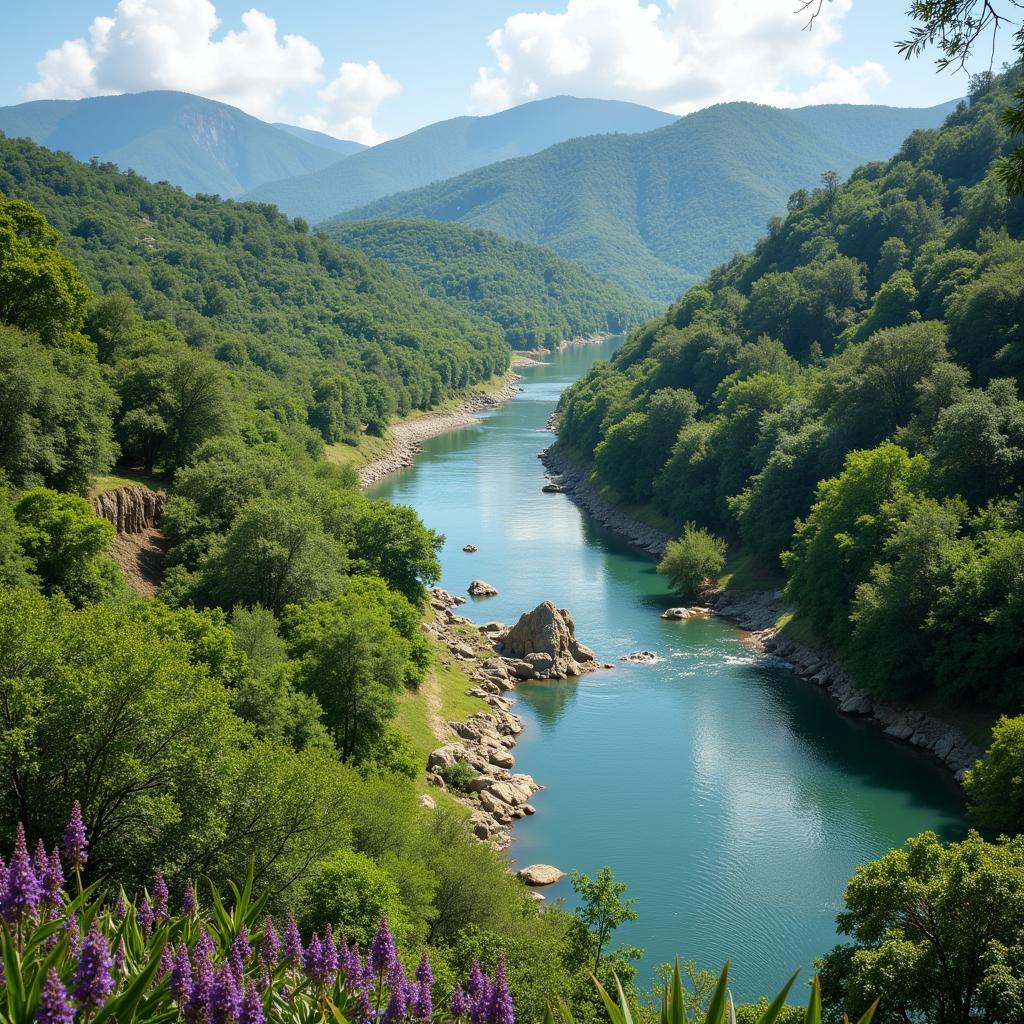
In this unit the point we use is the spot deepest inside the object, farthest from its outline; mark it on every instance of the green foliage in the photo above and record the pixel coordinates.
(689, 562)
(458, 776)
(933, 930)
(537, 298)
(995, 786)
(603, 908)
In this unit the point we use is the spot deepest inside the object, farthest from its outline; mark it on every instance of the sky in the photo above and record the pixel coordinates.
(376, 70)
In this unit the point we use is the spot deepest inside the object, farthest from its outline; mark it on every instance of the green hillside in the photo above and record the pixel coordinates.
(451, 147)
(198, 144)
(846, 396)
(656, 211)
(538, 298)
(298, 317)
(343, 147)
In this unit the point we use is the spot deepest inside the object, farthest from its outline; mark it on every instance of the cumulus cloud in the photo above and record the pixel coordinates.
(679, 57)
(348, 103)
(175, 44)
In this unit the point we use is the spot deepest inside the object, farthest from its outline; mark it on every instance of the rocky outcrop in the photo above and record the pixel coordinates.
(480, 588)
(758, 611)
(681, 614)
(470, 549)
(641, 658)
(575, 483)
(540, 874)
(543, 645)
(132, 509)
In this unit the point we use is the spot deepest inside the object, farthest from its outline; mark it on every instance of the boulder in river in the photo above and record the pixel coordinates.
(641, 658)
(552, 488)
(540, 874)
(678, 614)
(470, 549)
(480, 588)
(545, 641)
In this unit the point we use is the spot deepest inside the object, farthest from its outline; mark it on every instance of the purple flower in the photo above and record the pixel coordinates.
(205, 945)
(292, 945)
(120, 958)
(460, 1003)
(383, 955)
(225, 1003)
(166, 961)
(76, 841)
(423, 1003)
(241, 950)
(54, 1005)
(22, 891)
(3, 877)
(53, 882)
(41, 863)
(160, 897)
(364, 1009)
(314, 961)
(330, 954)
(353, 968)
(398, 1003)
(146, 917)
(500, 1010)
(189, 902)
(92, 976)
(270, 944)
(121, 906)
(252, 1007)
(181, 976)
(197, 1007)
(74, 936)
(423, 971)
(476, 982)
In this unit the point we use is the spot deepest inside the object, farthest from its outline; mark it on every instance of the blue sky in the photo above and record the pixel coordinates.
(380, 69)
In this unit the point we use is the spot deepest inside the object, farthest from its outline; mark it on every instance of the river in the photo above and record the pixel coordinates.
(728, 794)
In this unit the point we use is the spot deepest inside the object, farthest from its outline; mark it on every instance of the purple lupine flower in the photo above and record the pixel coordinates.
(161, 897)
(225, 1002)
(205, 946)
(146, 917)
(352, 965)
(76, 840)
(364, 1008)
(241, 950)
(252, 1007)
(189, 901)
(313, 960)
(292, 945)
(270, 944)
(330, 954)
(500, 1009)
(383, 955)
(40, 862)
(166, 961)
(424, 1000)
(181, 976)
(22, 892)
(460, 1003)
(74, 936)
(121, 958)
(92, 975)
(197, 1007)
(476, 982)
(121, 906)
(398, 1004)
(423, 971)
(54, 1005)
(53, 883)
(3, 878)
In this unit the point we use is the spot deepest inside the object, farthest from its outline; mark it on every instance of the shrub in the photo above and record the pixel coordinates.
(995, 786)
(689, 562)
(458, 776)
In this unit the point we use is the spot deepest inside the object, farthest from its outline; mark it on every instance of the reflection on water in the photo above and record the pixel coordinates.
(728, 794)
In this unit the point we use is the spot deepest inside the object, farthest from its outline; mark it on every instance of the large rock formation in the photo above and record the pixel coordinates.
(543, 644)
(132, 509)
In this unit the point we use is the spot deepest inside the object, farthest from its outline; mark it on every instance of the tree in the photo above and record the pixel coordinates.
(40, 290)
(995, 786)
(603, 907)
(930, 928)
(692, 560)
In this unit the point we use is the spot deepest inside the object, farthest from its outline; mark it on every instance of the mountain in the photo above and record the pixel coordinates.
(656, 211)
(343, 147)
(448, 148)
(198, 144)
(537, 298)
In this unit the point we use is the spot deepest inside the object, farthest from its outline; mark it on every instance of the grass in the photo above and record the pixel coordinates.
(793, 626)
(746, 572)
(123, 478)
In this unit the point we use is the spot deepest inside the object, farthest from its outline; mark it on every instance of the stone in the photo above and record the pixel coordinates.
(856, 704)
(446, 756)
(470, 549)
(529, 809)
(545, 631)
(501, 758)
(552, 489)
(641, 658)
(676, 614)
(480, 588)
(132, 509)
(540, 874)
(538, 897)
(427, 801)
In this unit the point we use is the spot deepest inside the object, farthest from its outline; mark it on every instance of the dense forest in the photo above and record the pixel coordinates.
(844, 402)
(316, 331)
(655, 211)
(537, 298)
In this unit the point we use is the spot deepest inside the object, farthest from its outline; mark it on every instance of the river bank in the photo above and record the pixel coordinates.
(759, 612)
(407, 436)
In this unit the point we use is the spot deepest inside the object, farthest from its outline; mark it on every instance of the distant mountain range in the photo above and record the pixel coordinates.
(452, 147)
(655, 212)
(537, 298)
(198, 144)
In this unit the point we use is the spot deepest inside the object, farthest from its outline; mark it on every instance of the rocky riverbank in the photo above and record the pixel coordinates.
(495, 658)
(757, 612)
(408, 435)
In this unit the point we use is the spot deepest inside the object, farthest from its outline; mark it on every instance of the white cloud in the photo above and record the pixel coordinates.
(175, 44)
(679, 57)
(348, 103)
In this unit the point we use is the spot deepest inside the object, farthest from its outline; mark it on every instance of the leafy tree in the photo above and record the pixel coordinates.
(15, 566)
(995, 785)
(692, 560)
(603, 908)
(930, 927)
(40, 290)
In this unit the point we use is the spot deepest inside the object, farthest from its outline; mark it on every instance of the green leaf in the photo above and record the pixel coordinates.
(775, 1006)
(869, 1013)
(813, 1014)
(716, 1008)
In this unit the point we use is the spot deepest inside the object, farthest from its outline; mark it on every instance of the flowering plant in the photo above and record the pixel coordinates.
(90, 956)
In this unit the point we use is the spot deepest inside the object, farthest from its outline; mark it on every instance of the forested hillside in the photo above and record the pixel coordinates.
(846, 398)
(195, 143)
(316, 330)
(451, 147)
(537, 298)
(653, 212)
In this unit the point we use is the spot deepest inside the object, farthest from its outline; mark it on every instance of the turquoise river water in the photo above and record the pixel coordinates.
(727, 793)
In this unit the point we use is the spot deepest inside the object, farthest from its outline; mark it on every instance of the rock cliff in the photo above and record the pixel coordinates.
(132, 509)
(545, 640)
